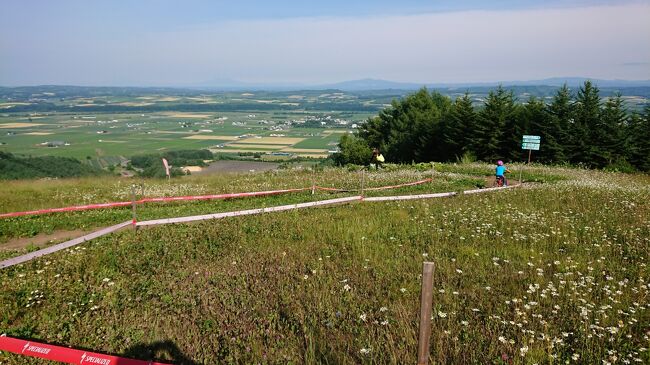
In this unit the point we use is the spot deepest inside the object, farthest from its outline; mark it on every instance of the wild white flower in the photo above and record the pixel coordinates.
(575, 357)
(403, 290)
(363, 317)
(305, 277)
(442, 314)
(383, 309)
(523, 351)
(364, 351)
(106, 280)
(347, 287)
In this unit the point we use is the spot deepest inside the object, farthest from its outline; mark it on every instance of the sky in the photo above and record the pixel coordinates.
(207, 43)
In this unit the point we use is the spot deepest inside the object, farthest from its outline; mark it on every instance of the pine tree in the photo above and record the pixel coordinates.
(542, 123)
(561, 124)
(638, 133)
(608, 134)
(587, 115)
(432, 146)
(499, 108)
(408, 130)
(460, 131)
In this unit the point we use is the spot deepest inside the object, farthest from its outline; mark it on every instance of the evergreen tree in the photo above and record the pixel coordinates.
(638, 133)
(499, 109)
(460, 132)
(433, 146)
(409, 129)
(587, 115)
(541, 123)
(561, 124)
(608, 134)
(517, 124)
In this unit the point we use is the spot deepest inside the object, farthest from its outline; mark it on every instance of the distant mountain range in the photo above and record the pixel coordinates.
(377, 84)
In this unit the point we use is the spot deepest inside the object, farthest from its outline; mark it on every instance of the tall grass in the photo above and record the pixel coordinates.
(549, 274)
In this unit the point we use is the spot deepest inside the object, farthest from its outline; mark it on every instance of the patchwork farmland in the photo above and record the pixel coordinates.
(97, 127)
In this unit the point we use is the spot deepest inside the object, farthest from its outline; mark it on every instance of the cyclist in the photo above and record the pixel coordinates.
(501, 172)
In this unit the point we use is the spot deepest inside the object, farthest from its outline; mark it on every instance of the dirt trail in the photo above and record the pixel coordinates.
(490, 181)
(41, 240)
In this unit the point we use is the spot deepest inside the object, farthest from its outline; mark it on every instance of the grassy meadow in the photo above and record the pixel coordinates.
(553, 272)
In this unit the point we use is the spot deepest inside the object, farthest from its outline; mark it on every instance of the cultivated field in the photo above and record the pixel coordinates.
(553, 272)
(94, 136)
(91, 126)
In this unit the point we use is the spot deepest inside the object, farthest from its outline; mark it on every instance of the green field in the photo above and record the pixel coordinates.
(102, 136)
(551, 273)
(107, 123)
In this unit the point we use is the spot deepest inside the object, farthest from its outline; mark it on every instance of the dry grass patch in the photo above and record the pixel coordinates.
(193, 168)
(19, 125)
(232, 150)
(259, 146)
(185, 115)
(305, 150)
(208, 138)
(12, 104)
(274, 140)
(132, 103)
(313, 155)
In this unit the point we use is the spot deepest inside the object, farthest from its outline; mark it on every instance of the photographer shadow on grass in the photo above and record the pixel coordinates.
(157, 350)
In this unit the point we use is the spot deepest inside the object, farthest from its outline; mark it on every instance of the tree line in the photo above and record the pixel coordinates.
(14, 167)
(579, 129)
(151, 165)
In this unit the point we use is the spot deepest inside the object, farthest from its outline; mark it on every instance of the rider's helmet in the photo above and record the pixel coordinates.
(500, 163)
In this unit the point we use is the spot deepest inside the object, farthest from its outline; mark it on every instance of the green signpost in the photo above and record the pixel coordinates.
(529, 143)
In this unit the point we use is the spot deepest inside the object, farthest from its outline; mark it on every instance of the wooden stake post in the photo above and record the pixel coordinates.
(363, 180)
(426, 303)
(133, 204)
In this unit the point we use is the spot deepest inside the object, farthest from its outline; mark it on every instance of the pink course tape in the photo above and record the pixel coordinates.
(148, 200)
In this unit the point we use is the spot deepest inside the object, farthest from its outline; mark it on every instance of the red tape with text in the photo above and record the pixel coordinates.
(65, 354)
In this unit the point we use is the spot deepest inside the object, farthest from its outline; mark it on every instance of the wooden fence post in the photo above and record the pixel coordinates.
(426, 303)
(363, 180)
(135, 227)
